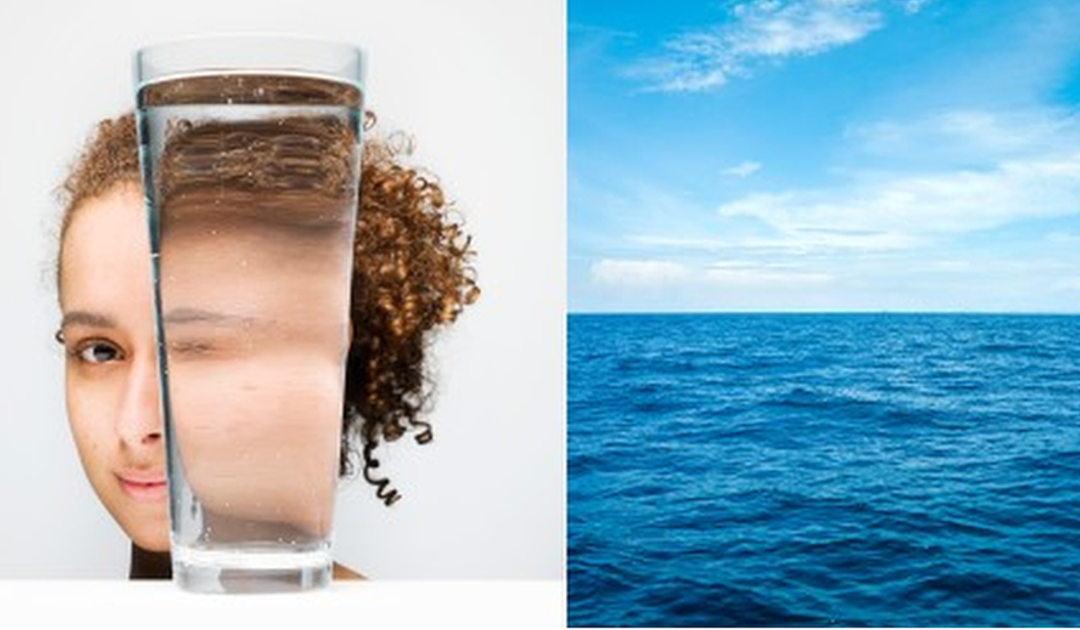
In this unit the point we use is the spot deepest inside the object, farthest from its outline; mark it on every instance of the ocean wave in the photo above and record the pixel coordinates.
(823, 470)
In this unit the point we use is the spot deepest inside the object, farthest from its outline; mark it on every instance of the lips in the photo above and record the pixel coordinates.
(150, 488)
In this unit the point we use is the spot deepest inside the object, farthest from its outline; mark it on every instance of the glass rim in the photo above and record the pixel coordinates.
(249, 53)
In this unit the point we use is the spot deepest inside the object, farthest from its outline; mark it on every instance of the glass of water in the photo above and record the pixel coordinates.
(250, 158)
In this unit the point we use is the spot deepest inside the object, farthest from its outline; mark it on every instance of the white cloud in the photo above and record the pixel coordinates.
(751, 274)
(1064, 238)
(793, 244)
(952, 266)
(637, 272)
(770, 28)
(652, 274)
(971, 134)
(760, 277)
(1070, 284)
(759, 30)
(743, 169)
(902, 211)
(914, 6)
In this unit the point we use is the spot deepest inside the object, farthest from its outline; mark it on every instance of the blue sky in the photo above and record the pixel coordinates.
(824, 155)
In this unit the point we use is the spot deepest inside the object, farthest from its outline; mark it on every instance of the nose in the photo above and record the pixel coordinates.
(139, 420)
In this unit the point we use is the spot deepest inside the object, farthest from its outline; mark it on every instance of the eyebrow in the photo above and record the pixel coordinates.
(175, 316)
(201, 316)
(86, 318)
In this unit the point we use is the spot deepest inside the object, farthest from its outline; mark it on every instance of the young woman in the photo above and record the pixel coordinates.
(411, 275)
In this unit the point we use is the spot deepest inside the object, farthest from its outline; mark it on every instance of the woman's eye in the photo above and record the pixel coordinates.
(98, 352)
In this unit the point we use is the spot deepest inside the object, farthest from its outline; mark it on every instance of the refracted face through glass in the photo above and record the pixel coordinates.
(254, 213)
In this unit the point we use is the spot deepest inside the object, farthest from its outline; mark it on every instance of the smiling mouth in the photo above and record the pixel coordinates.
(146, 489)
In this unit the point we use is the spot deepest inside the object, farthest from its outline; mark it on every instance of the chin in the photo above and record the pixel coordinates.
(149, 537)
(151, 543)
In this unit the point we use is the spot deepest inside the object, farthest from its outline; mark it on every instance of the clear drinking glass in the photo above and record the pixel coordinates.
(250, 156)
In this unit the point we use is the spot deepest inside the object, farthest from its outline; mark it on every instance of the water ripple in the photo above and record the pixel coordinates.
(861, 470)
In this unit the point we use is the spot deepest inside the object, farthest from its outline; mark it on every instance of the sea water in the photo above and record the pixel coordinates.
(889, 470)
(251, 209)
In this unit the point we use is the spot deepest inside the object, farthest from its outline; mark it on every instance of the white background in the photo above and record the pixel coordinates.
(481, 86)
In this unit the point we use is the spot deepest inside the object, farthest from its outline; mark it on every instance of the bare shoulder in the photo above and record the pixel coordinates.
(342, 572)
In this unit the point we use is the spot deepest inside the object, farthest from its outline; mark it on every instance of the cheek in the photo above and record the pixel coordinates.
(268, 448)
(88, 417)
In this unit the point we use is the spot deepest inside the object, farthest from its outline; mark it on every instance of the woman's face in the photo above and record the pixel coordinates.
(111, 379)
(256, 365)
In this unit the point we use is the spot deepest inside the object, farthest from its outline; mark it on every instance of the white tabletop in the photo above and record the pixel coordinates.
(151, 604)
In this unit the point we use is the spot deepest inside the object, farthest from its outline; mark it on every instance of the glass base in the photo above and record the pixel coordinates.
(247, 570)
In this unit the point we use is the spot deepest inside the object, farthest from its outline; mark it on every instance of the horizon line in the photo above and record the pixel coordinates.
(828, 312)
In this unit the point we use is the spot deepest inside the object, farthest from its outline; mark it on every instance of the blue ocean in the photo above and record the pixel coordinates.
(823, 470)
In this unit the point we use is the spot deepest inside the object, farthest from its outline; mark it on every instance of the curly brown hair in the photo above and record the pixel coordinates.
(412, 274)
